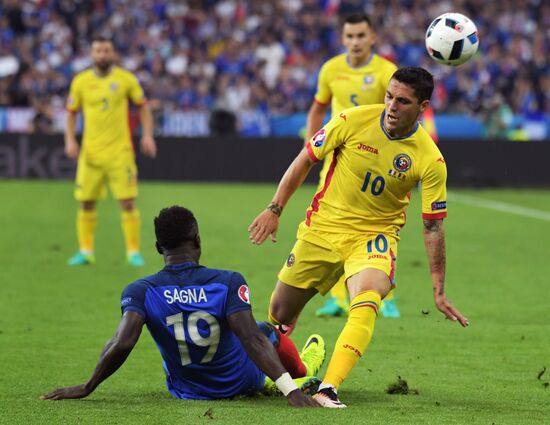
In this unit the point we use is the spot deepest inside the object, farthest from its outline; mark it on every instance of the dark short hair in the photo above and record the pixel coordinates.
(421, 81)
(99, 38)
(174, 226)
(356, 18)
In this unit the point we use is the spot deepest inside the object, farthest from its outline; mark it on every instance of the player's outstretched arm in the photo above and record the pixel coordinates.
(113, 356)
(434, 240)
(267, 222)
(264, 355)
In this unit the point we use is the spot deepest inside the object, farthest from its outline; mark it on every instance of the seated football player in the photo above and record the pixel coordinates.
(202, 323)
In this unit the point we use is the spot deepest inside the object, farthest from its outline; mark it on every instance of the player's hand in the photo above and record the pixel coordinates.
(78, 391)
(148, 146)
(451, 313)
(297, 398)
(72, 149)
(264, 225)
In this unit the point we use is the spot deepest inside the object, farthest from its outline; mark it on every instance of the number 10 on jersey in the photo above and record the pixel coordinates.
(376, 186)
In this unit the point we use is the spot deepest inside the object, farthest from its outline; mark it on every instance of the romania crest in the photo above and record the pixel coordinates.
(290, 261)
(402, 162)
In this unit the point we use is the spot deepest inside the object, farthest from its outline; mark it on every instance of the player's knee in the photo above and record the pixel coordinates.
(87, 205)
(127, 204)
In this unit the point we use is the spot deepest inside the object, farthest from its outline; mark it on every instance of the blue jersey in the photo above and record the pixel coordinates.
(186, 308)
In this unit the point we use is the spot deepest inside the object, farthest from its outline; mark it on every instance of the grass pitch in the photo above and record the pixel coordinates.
(55, 319)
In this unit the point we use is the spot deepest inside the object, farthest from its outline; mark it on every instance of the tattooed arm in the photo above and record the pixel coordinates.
(434, 240)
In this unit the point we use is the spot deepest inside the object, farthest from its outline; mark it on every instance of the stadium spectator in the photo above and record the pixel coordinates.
(225, 353)
(270, 52)
(42, 122)
(498, 118)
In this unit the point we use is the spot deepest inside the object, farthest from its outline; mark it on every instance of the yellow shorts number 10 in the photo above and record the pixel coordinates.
(318, 259)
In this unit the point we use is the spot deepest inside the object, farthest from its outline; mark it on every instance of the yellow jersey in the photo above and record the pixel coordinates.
(370, 175)
(346, 87)
(104, 104)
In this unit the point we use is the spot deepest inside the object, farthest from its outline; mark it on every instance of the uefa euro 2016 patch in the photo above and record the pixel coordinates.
(319, 138)
(244, 293)
(440, 205)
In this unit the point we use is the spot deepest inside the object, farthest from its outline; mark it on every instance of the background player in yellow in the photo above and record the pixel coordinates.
(380, 153)
(102, 94)
(356, 77)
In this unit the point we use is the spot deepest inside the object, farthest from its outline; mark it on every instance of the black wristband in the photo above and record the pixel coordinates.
(275, 208)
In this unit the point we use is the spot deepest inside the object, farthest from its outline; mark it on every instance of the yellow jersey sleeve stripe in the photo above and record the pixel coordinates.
(434, 216)
(310, 153)
(142, 102)
(321, 103)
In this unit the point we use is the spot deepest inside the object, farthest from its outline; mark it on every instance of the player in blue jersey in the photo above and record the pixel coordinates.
(201, 321)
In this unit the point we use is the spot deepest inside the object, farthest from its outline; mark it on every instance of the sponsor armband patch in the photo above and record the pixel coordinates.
(439, 205)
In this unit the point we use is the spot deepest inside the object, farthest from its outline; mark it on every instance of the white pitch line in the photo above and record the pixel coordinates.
(500, 206)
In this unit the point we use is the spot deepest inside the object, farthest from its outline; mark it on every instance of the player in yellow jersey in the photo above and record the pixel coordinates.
(107, 154)
(356, 77)
(380, 153)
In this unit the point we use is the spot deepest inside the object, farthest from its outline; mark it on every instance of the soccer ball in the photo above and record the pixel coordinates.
(452, 39)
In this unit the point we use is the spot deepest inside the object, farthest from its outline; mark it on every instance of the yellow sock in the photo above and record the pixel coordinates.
(86, 221)
(131, 226)
(354, 338)
(340, 293)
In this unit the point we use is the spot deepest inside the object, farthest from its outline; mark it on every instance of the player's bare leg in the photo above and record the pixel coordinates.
(86, 221)
(366, 290)
(286, 304)
(131, 226)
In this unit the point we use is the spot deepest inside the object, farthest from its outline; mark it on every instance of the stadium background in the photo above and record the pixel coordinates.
(258, 60)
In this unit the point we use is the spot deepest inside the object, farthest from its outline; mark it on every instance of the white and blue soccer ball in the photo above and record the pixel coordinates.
(452, 39)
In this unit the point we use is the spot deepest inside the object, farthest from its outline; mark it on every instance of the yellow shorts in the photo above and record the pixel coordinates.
(319, 259)
(92, 177)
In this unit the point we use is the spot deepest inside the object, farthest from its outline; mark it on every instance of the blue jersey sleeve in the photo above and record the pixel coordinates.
(133, 298)
(238, 297)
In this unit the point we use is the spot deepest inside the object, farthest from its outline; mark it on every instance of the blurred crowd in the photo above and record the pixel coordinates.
(264, 55)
